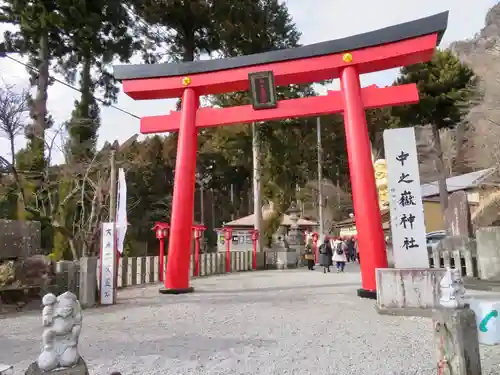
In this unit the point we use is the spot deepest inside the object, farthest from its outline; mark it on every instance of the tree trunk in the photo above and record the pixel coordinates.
(86, 85)
(441, 172)
(21, 201)
(72, 247)
(83, 126)
(38, 108)
(189, 34)
(188, 54)
(88, 141)
(42, 88)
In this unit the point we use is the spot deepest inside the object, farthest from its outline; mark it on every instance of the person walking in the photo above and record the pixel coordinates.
(356, 249)
(351, 250)
(325, 255)
(309, 257)
(339, 254)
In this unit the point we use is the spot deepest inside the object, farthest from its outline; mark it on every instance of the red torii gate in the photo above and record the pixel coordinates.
(346, 58)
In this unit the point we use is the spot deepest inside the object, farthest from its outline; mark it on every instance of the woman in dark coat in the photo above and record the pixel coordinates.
(325, 255)
(309, 257)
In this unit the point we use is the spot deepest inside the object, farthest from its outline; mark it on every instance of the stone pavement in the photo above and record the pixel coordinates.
(270, 322)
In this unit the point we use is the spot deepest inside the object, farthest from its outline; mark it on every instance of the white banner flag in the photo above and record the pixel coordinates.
(121, 213)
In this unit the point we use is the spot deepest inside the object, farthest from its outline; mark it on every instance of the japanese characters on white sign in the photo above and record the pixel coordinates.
(108, 264)
(405, 199)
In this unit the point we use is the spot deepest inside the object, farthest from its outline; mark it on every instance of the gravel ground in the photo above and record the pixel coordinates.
(273, 322)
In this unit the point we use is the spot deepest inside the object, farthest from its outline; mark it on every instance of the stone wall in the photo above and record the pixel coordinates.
(19, 239)
(66, 277)
(408, 291)
(488, 253)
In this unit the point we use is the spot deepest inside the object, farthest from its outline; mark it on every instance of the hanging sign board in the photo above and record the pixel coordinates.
(263, 90)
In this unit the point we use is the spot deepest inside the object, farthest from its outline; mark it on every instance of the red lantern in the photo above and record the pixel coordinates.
(198, 234)
(255, 238)
(228, 236)
(161, 231)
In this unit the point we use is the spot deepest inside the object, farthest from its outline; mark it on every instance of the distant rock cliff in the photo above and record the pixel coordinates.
(482, 53)
(479, 137)
(486, 41)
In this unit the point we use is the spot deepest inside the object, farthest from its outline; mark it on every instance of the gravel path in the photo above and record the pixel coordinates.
(273, 322)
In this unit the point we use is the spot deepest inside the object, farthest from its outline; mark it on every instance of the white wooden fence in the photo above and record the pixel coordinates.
(145, 270)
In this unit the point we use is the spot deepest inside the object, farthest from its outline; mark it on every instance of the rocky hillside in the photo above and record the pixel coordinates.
(482, 53)
(486, 41)
(476, 144)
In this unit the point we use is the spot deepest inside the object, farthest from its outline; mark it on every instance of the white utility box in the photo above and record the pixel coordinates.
(487, 319)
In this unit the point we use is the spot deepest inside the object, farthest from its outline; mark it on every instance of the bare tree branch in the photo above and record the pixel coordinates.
(14, 111)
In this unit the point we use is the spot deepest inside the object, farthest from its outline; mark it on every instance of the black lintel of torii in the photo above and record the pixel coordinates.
(435, 24)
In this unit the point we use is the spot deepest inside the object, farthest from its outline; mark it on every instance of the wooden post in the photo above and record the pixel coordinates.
(457, 342)
(88, 281)
(112, 186)
(257, 173)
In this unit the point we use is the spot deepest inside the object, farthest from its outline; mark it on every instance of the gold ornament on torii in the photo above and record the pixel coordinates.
(380, 167)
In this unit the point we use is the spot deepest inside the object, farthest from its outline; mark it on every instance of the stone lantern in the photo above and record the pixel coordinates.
(288, 256)
(294, 235)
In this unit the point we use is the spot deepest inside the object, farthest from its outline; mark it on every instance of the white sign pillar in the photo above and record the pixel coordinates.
(108, 264)
(405, 198)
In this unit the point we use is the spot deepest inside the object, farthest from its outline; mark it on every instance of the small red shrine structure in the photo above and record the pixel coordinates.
(346, 58)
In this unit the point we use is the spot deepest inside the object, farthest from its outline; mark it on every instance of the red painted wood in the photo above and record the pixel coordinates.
(373, 97)
(300, 71)
(181, 232)
(371, 242)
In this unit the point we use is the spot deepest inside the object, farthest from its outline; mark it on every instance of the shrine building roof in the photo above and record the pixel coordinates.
(457, 183)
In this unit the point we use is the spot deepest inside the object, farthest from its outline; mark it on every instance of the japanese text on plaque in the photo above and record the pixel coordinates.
(406, 199)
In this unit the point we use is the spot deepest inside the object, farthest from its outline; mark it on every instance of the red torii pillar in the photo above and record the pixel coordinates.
(397, 46)
(364, 190)
(369, 224)
(179, 258)
(352, 100)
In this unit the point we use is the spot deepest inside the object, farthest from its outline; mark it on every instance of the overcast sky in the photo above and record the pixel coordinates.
(318, 20)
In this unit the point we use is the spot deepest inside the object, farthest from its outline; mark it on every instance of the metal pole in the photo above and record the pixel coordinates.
(320, 178)
(257, 200)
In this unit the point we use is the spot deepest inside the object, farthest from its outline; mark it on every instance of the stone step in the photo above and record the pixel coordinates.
(6, 369)
(477, 284)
